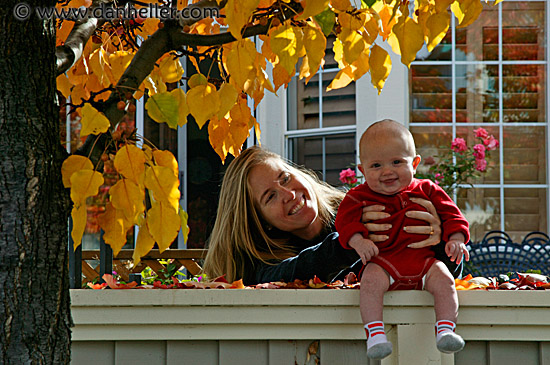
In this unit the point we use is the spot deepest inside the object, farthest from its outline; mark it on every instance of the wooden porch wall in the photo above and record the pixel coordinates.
(286, 352)
(277, 327)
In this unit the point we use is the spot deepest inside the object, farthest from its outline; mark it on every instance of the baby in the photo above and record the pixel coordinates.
(388, 163)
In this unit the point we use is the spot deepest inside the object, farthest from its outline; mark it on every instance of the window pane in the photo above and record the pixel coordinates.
(481, 207)
(525, 211)
(524, 155)
(428, 141)
(339, 153)
(338, 105)
(524, 93)
(431, 93)
(479, 40)
(523, 35)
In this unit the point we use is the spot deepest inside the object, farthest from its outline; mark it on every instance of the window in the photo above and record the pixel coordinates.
(491, 74)
(320, 133)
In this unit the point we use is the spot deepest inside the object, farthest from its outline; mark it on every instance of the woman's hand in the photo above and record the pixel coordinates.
(431, 217)
(373, 213)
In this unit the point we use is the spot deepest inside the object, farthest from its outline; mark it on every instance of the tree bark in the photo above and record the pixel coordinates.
(34, 207)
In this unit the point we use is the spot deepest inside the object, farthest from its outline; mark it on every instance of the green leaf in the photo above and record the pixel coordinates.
(163, 108)
(326, 20)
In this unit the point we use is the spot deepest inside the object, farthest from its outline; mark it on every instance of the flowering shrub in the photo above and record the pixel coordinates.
(348, 178)
(460, 162)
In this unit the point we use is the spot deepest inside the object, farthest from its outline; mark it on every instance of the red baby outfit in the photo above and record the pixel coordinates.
(407, 266)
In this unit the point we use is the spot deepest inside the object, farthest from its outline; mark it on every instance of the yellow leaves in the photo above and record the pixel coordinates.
(170, 68)
(203, 102)
(380, 67)
(238, 13)
(128, 197)
(64, 85)
(410, 36)
(168, 107)
(162, 182)
(353, 44)
(166, 159)
(130, 163)
(79, 216)
(466, 11)
(73, 164)
(115, 226)
(93, 121)
(312, 8)
(228, 97)
(437, 25)
(164, 224)
(315, 44)
(228, 134)
(240, 63)
(287, 43)
(85, 183)
(144, 244)
(119, 61)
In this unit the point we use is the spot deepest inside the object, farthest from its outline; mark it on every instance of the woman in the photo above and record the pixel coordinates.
(275, 222)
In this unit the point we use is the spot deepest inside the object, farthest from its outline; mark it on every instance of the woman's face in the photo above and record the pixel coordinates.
(284, 200)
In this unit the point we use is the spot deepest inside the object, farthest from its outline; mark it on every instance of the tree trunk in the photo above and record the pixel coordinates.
(34, 287)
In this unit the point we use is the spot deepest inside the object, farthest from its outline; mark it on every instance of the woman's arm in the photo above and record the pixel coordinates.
(323, 260)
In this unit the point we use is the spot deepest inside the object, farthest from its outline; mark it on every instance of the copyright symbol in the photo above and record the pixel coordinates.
(21, 11)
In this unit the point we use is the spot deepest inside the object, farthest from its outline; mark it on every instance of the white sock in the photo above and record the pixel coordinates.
(378, 346)
(447, 340)
(375, 333)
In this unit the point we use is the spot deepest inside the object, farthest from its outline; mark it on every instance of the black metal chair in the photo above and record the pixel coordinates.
(498, 254)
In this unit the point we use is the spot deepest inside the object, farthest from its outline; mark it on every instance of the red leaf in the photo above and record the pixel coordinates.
(97, 286)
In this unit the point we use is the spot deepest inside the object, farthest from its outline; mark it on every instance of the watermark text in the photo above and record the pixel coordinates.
(23, 11)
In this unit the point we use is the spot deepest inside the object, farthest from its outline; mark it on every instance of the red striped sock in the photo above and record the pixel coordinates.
(444, 326)
(375, 333)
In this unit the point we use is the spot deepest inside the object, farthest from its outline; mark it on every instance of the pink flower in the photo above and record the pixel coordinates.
(348, 176)
(479, 152)
(438, 177)
(481, 133)
(459, 145)
(481, 164)
(491, 143)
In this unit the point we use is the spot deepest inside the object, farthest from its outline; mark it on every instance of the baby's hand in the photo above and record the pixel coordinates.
(455, 249)
(365, 248)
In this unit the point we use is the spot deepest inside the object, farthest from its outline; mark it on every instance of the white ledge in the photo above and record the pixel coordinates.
(248, 314)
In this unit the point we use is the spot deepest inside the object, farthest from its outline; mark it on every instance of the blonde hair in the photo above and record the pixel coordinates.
(239, 236)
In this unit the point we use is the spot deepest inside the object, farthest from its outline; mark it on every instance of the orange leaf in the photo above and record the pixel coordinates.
(112, 283)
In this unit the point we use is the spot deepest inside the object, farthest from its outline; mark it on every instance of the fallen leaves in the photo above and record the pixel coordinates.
(524, 281)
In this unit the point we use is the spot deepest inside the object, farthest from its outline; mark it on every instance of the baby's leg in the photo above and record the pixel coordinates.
(374, 283)
(441, 284)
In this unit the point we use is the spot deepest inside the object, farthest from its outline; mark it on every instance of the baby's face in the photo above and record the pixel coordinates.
(388, 164)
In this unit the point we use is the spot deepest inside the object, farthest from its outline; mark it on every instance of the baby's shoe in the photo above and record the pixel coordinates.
(449, 342)
(380, 350)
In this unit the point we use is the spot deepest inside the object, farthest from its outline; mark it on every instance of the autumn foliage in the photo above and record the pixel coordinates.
(121, 60)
